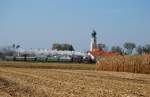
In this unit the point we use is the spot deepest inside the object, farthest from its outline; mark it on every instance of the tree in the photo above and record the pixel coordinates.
(67, 47)
(56, 46)
(101, 46)
(63, 47)
(117, 49)
(146, 49)
(139, 50)
(129, 47)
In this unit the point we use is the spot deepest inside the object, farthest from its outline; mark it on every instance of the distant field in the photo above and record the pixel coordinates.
(73, 66)
(68, 80)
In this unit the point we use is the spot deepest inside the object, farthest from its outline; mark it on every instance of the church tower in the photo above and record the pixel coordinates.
(93, 44)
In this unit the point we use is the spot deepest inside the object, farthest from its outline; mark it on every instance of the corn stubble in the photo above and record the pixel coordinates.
(32, 80)
(23, 82)
(135, 64)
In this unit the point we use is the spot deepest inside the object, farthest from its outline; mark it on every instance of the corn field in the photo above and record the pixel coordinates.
(135, 64)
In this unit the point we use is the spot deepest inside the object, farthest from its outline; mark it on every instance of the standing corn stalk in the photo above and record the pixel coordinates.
(135, 64)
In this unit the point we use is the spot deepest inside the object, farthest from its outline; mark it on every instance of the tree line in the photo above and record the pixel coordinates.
(62, 47)
(129, 47)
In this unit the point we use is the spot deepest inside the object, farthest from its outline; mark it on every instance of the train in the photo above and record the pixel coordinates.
(45, 55)
(55, 58)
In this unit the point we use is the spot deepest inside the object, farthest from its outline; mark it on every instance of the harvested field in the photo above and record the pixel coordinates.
(39, 82)
(36, 65)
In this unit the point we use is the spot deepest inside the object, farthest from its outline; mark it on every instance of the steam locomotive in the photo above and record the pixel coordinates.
(55, 58)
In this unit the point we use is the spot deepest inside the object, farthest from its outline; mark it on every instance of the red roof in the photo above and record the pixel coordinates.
(100, 53)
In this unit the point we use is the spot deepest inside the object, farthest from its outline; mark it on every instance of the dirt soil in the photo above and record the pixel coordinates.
(31, 82)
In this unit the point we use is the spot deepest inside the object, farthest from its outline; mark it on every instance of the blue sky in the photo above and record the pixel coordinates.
(40, 23)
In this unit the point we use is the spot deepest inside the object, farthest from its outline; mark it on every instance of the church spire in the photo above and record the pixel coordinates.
(93, 41)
